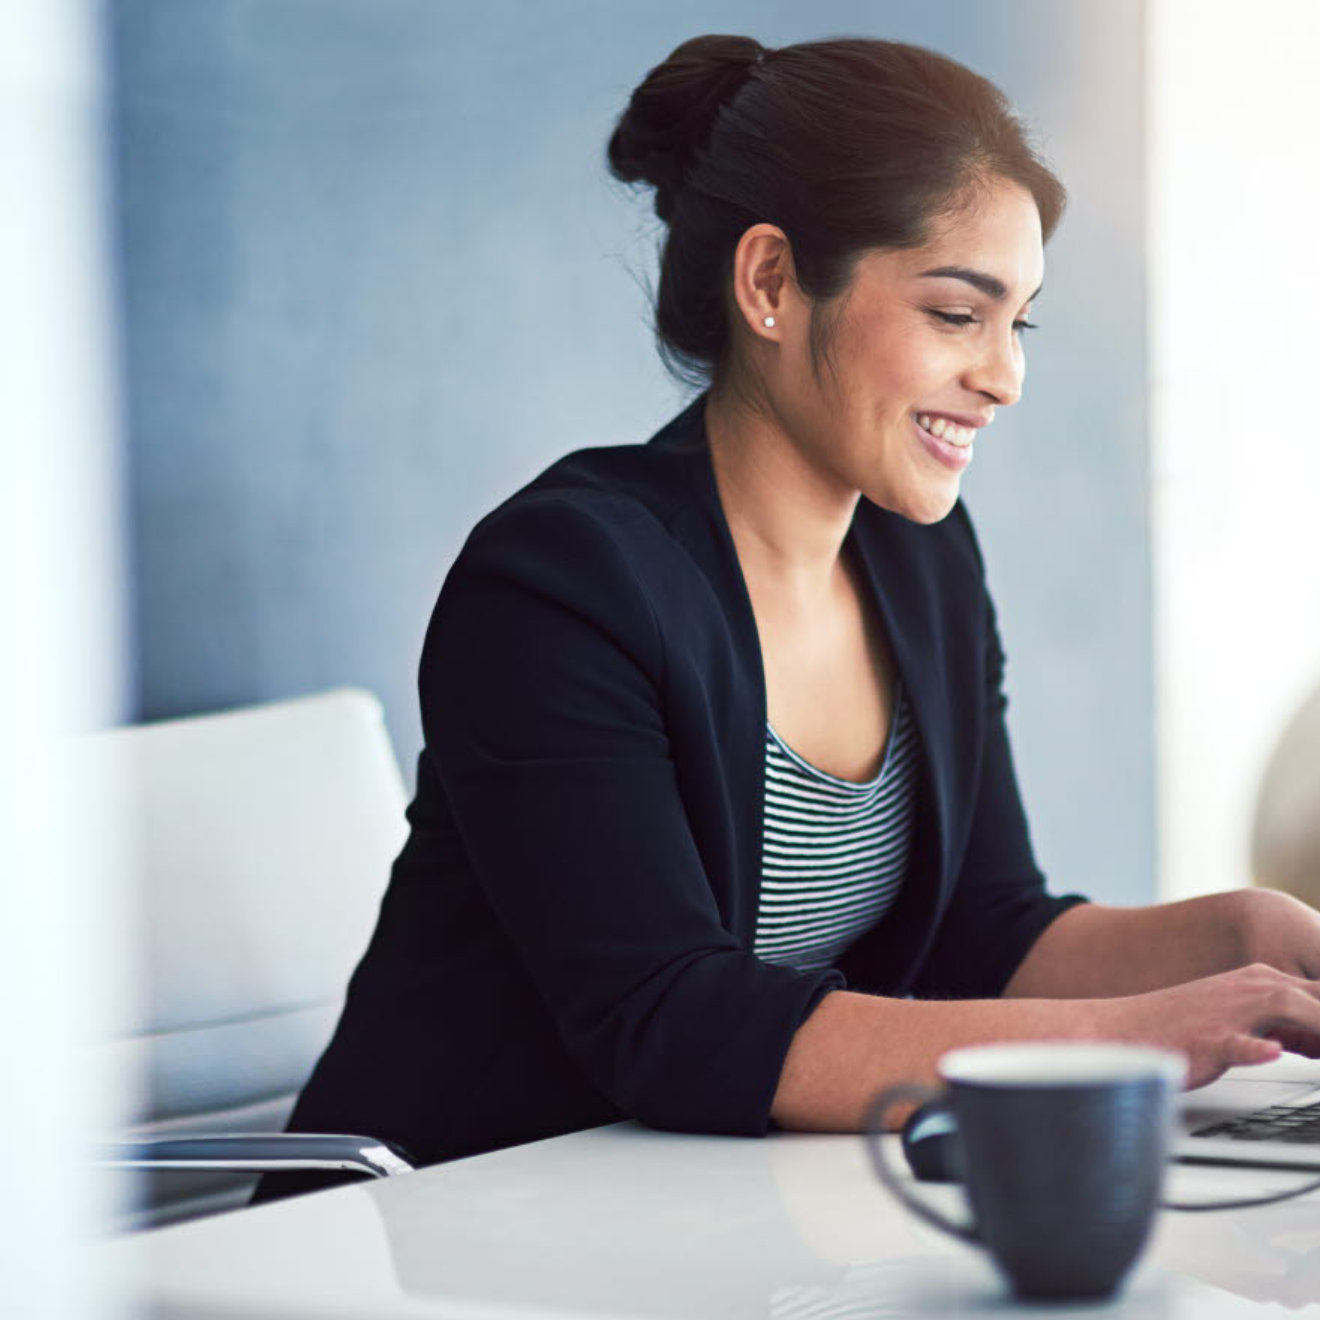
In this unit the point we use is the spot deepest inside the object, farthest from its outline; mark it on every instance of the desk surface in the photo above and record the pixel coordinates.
(626, 1222)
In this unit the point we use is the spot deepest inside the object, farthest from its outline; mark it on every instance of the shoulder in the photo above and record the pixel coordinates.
(617, 491)
(596, 510)
(592, 512)
(587, 549)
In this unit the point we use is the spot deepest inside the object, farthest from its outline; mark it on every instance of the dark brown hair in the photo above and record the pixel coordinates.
(845, 145)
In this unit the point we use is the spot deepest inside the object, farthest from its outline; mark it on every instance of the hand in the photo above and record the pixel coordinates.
(1240, 1017)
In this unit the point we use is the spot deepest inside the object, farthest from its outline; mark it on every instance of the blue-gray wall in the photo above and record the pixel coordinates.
(375, 276)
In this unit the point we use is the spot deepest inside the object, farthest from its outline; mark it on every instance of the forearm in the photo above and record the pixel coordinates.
(1096, 952)
(855, 1045)
(1096, 973)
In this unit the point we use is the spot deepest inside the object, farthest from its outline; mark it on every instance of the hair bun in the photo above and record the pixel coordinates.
(673, 109)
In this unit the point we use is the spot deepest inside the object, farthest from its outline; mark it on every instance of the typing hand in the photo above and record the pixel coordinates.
(1245, 1016)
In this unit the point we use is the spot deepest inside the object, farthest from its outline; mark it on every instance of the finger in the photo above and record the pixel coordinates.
(1305, 1016)
(1288, 1009)
(1295, 975)
(1304, 977)
(1237, 1051)
(1242, 1050)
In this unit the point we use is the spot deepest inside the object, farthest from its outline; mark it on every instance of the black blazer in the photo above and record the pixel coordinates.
(566, 938)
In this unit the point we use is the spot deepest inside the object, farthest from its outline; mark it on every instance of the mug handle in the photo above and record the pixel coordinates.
(907, 1093)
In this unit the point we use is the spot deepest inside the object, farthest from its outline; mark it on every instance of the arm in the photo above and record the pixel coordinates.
(544, 683)
(853, 1046)
(1087, 973)
(1224, 979)
(1095, 951)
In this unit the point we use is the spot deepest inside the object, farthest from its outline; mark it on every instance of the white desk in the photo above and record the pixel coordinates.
(626, 1222)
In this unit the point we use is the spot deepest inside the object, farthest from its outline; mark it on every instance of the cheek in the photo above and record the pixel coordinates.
(902, 384)
(884, 370)
(905, 369)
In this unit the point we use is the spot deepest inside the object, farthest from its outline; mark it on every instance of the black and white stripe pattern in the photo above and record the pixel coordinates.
(834, 852)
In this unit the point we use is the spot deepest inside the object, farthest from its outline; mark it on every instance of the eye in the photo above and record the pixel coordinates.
(952, 318)
(966, 318)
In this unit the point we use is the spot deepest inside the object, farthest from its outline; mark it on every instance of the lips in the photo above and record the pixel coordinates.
(945, 450)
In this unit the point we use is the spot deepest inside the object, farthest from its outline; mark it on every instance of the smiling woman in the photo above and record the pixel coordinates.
(716, 824)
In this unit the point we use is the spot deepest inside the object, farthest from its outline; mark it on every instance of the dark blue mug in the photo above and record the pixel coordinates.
(1062, 1149)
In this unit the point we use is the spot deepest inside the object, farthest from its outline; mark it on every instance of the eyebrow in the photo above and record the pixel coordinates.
(989, 285)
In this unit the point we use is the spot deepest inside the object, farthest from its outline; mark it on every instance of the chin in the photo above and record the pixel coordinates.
(925, 508)
(936, 512)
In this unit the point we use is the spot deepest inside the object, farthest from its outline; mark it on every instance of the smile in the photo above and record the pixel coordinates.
(942, 429)
(947, 443)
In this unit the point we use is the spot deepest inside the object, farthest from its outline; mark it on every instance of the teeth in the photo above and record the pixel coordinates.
(962, 436)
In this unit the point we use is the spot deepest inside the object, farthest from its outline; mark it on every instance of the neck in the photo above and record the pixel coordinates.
(787, 516)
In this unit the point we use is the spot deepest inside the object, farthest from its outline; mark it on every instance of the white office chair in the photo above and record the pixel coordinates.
(260, 841)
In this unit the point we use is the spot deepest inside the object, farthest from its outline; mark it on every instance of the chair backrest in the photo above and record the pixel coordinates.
(261, 840)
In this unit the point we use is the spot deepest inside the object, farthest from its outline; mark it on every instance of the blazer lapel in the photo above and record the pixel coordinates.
(901, 589)
(899, 579)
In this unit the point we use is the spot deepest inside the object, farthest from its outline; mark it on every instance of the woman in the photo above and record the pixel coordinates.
(716, 824)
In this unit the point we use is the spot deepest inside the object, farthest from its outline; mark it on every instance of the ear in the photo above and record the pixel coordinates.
(765, 283)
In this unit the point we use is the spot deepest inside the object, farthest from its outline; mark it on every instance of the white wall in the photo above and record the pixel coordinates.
(59, 667)
(1234, 191)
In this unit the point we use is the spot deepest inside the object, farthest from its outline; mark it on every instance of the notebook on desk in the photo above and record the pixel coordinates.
(1268, 1116)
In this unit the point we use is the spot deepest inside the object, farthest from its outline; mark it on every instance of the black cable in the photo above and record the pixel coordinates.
(1247, 1202)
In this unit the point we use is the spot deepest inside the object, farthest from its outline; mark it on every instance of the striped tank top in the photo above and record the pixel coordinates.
(834, 852)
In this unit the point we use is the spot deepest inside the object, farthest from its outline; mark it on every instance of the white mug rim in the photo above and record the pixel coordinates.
(1060, 1064)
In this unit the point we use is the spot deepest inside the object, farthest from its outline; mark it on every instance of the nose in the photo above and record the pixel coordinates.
(997, 374)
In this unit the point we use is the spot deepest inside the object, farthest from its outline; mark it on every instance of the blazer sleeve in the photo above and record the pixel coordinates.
(541, 689)
(999, 906)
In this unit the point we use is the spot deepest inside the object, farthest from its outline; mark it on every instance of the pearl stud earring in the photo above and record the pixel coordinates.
(769, 322)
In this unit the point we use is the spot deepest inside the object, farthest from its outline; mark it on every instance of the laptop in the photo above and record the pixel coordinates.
(1262, 1117)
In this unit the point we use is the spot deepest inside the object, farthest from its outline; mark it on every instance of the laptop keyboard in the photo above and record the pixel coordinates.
(1299, 1123)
